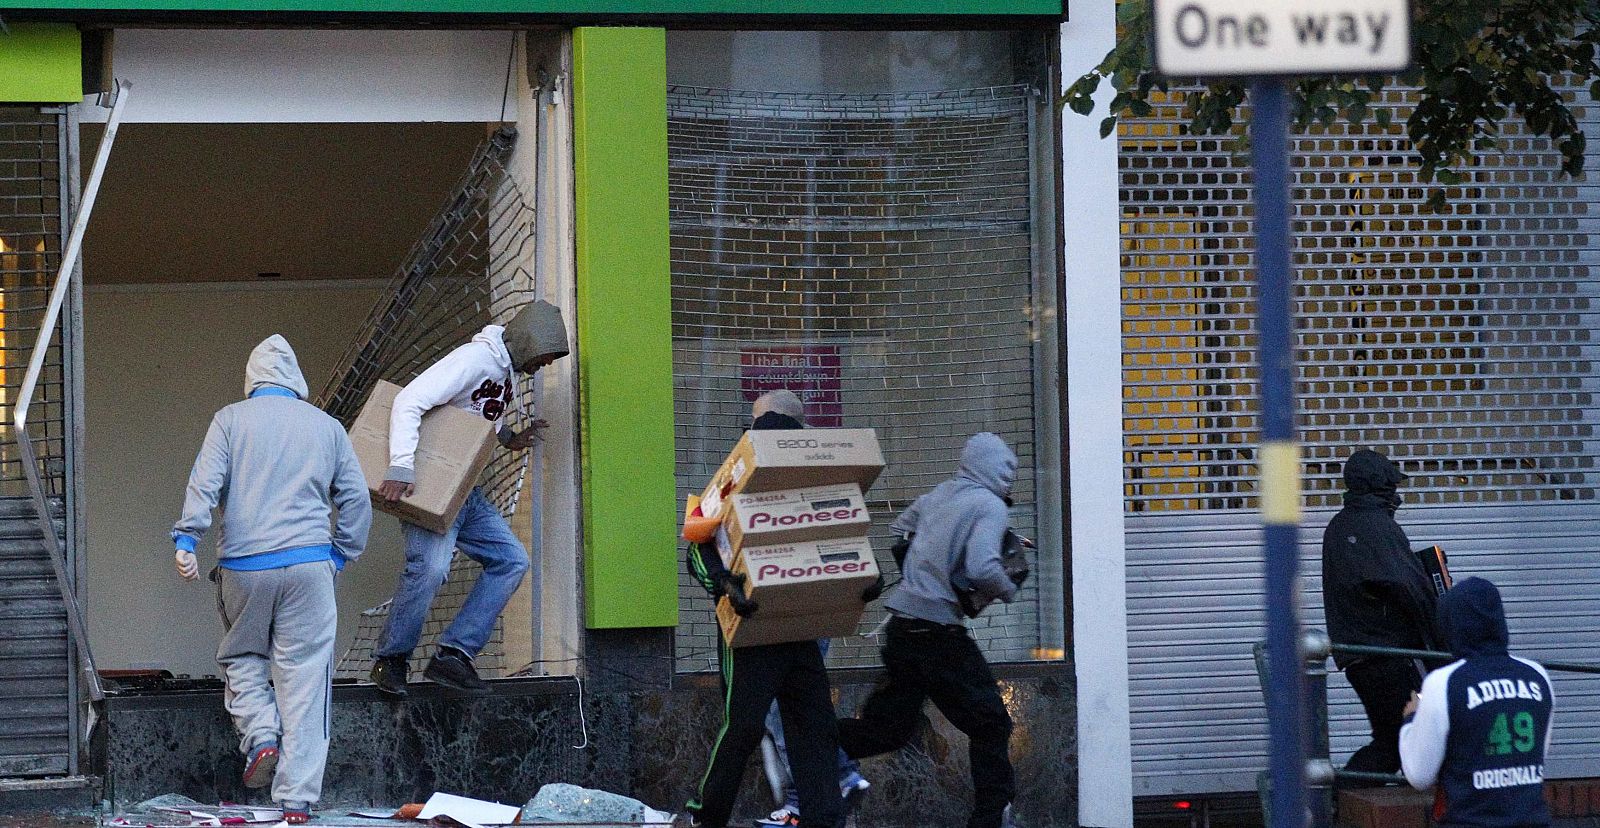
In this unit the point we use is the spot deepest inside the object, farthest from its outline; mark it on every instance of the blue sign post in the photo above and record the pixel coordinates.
(1267, 41)
(1278, 456)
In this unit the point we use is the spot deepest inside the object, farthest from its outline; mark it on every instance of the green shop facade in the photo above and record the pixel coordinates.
(862, 202)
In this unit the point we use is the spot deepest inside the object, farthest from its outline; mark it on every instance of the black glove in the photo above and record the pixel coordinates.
(872, 591)
(733, 588)
(899, 550)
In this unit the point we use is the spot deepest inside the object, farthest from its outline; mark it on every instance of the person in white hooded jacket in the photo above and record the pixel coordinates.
(278, 466)
(478, 377)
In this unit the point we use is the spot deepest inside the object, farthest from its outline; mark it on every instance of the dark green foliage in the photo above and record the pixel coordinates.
(1476, 62)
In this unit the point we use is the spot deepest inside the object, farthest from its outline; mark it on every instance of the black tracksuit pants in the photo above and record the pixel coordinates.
(939, 662)
(752, 678)
(1384, 684)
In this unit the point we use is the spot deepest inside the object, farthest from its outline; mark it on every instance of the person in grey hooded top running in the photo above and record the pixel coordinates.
(278, 467)
(928, 653)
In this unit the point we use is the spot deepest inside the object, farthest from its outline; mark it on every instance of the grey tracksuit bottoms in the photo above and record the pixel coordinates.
(277, 661)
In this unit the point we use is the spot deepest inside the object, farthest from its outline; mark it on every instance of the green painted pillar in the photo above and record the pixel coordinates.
(624, 327)
(41, 63)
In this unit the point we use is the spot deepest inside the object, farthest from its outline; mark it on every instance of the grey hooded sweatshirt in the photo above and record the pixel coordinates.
(277, 466)
(967, 511)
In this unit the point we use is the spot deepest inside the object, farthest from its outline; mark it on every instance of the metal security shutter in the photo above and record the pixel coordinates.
(875, 254)
(37, 683)
(1459, 343)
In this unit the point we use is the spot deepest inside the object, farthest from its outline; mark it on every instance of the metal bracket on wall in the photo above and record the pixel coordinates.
(30, 463)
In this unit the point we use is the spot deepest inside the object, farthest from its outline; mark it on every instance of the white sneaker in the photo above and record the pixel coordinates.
(781, 818)
(853, 791)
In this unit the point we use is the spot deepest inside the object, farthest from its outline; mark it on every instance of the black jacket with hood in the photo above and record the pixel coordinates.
(704, 561)
(1374, 588)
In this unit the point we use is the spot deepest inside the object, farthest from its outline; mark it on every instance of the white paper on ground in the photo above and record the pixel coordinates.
(655, 817)
(375, 813)
(472, 812)
(266, 816)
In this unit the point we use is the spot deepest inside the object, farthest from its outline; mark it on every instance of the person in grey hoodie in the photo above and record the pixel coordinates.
(278, 467)
(928, 652)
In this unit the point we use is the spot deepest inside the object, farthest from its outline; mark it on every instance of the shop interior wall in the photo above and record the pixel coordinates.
(159, 363)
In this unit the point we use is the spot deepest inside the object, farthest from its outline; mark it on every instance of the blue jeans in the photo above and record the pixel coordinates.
(849, 769)
(482, 535)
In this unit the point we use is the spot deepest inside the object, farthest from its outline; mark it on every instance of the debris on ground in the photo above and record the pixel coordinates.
(555, 804)
(568, 804)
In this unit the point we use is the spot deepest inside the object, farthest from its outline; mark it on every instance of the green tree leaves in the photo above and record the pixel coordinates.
(1476, 63)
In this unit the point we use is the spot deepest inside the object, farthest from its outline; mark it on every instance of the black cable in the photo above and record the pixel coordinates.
(511, 60)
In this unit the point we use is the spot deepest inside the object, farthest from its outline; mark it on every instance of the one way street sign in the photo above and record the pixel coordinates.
(1235, 38)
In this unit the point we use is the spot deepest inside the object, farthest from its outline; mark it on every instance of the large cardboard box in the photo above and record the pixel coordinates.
(808, 578)
(777, 629)
(766, 461)
(452, 449)
(792, 516)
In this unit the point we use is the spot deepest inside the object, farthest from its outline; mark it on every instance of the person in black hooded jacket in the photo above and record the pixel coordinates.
(1481, 726)
(1376, 592)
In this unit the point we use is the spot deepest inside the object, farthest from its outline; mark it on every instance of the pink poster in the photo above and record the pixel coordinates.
(811, 371)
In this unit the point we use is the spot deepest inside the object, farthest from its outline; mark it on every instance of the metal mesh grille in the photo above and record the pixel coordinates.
(473, 267)
(36, 717)
(1459, 343)
(872, 253)
(30, 251)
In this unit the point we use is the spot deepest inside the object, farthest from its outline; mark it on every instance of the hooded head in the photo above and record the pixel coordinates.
(273, 363)
(536, 337)
(1368, 471)
(780, 409)
(990, 463)
(1473, 619)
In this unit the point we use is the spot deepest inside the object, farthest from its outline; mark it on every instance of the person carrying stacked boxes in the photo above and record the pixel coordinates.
(771, 654)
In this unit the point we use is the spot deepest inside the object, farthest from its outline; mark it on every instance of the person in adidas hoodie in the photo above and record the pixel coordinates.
(929, 654)
(477, 377)
(278, 466)
(1481, 726)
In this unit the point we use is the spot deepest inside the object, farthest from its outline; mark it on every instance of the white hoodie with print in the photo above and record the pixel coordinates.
(475, 377)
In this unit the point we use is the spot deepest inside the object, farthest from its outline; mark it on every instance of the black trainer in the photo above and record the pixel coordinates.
(453, 669)
(389, 674)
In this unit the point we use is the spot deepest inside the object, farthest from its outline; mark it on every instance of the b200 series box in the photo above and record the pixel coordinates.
(452, 449)
(766, 461)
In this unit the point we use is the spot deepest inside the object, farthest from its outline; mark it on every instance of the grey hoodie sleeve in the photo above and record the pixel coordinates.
(208, 485)
(351, 498)
(983, 553)
(906, 524)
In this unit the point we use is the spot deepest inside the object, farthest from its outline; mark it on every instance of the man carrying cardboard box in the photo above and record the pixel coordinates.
(477, 377)
(790, 673)
(278, 466)
(929, 653)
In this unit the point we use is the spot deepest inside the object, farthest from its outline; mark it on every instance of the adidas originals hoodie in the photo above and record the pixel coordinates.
(1482, 725)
